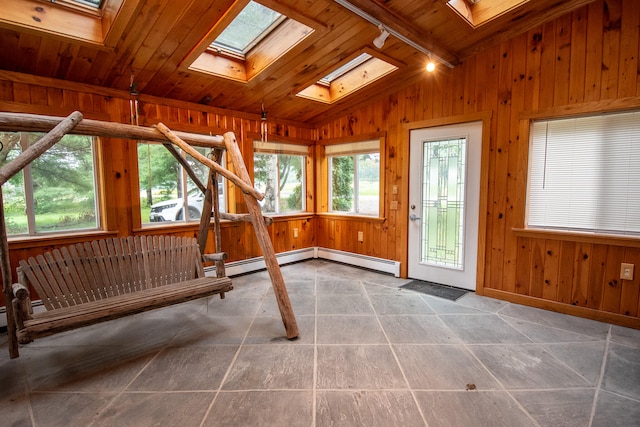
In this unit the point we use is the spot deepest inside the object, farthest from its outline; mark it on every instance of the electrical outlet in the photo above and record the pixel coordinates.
(360, 236)
(295, 233)
(394, 205)
(626, 271)
(394, 189)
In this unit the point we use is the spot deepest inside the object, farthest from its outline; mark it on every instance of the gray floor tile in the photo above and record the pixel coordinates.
(213, 329)
(303, 305)
(236, 306)
(67, 409)
(382, 289)
(483, 329)
(349, 330)
(270, 329)
(622, 372)
(400, 304)
(358, 367)
(443, 367)
(478, 302)
(260, 367)
(445, 306)
(583, 358)
(616, 411)
(471, 408)
(526, 367)
(261, 408)
(16, 409)
(415, 329)
(626, 336)
(344, 304)
(546, 334)
(155, 409)
(557, 320)
(186, 368)
(340, 287)
(297, 286)
(558, 408)
(367, 408)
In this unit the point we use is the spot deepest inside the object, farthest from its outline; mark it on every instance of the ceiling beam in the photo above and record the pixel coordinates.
(400, 28)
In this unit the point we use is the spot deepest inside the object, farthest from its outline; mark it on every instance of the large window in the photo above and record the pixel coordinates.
(54, 193)
(584, 174)
(279, 173)
(167, 193)
(354, 177)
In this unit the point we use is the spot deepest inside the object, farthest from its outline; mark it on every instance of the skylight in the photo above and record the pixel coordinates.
(251, 25)
(92, 3)
(339, 72)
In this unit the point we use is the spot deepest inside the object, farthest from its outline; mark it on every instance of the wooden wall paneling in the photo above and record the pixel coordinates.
(551, 269)
(566, 271)
(629, 49)
(611, 49)
(532, 74)
(630, 296)
(66, 58)
(458, 83)
(469, 86)
(512, 213)
(70, 100)
(563, 49)
(536, 285)
(38, 95)
(55, 98)
(397, 145)
(499, 171)
(547, 64)
(594, 49)
(578, 55)
(581, 266)
(596, 276)
(523, 266)
(6, 91)
(21, 92)
(612, 292)
(44, 62)
(28, 47)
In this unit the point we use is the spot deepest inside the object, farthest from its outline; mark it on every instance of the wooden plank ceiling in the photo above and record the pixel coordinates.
(158, 35)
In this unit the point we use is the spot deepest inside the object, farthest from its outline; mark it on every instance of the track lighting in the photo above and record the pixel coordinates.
(379, 41)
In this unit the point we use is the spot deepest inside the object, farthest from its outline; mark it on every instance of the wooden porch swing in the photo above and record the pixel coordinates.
(84, 284)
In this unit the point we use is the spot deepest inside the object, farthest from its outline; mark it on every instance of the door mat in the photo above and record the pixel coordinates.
(434, 289)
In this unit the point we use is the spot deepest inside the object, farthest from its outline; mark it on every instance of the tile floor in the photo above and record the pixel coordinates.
(369, 355)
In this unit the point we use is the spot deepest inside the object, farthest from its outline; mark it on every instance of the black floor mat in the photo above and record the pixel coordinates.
(434, 289)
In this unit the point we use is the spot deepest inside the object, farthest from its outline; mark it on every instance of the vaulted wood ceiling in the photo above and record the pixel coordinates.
(154, 39)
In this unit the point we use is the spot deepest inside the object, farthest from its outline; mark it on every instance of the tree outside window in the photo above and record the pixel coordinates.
(354, 177)
(281, 178)
(56, 192)
(167, 193)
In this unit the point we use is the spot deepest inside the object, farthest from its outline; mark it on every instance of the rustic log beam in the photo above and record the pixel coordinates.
(43, 144)
(246, 188)
(277, 281)
(243, 218)
(19, 122)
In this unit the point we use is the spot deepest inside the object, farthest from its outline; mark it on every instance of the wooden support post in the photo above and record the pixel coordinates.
(7, 171)
(215, 196)
(277, 281)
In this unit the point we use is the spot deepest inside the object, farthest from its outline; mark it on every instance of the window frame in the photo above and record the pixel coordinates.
(184, 176)
(29, 199)
(324, 176)
(286, 147)
(570, 226)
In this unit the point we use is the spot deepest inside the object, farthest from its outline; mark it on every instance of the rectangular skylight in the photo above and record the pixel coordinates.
(92, 3)
(251, 25)
(361, 59)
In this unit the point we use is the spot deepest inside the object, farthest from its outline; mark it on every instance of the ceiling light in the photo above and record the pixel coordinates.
(379, 41)
(431, 66)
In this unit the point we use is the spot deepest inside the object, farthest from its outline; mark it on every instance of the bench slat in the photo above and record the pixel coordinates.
(50, 322)
(63, 256)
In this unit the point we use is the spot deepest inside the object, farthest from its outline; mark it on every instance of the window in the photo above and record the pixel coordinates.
(166, 191)
(279, 173)
(584, 174)
(250, 26)
(348, 78)
(248, 39)
(354, 177)
(55, 192)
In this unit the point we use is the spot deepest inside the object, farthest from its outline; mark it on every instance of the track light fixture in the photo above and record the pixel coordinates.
(379, 41)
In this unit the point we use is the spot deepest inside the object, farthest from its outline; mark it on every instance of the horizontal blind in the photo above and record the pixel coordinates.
(584, 174)
(363, 147)
(280, 148)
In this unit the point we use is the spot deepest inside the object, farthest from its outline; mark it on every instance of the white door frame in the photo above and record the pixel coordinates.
(485, 117)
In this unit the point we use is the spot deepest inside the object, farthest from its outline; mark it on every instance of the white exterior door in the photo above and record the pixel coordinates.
(444, 198)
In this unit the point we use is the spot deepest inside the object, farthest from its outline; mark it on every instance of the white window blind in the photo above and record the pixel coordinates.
(584, 174)
(362, 147)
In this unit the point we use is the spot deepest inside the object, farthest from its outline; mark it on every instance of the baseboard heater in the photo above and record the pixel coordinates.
(236, 268)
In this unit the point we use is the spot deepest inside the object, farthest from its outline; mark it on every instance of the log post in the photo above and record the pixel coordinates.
(277, 281)
(7, 171)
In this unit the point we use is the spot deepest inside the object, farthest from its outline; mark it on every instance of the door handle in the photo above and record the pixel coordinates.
(414, 217)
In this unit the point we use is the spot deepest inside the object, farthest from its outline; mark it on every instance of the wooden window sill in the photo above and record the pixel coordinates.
(574, 236)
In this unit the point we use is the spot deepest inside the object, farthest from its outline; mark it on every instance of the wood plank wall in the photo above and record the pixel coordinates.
(581, 62)
(27, 94)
